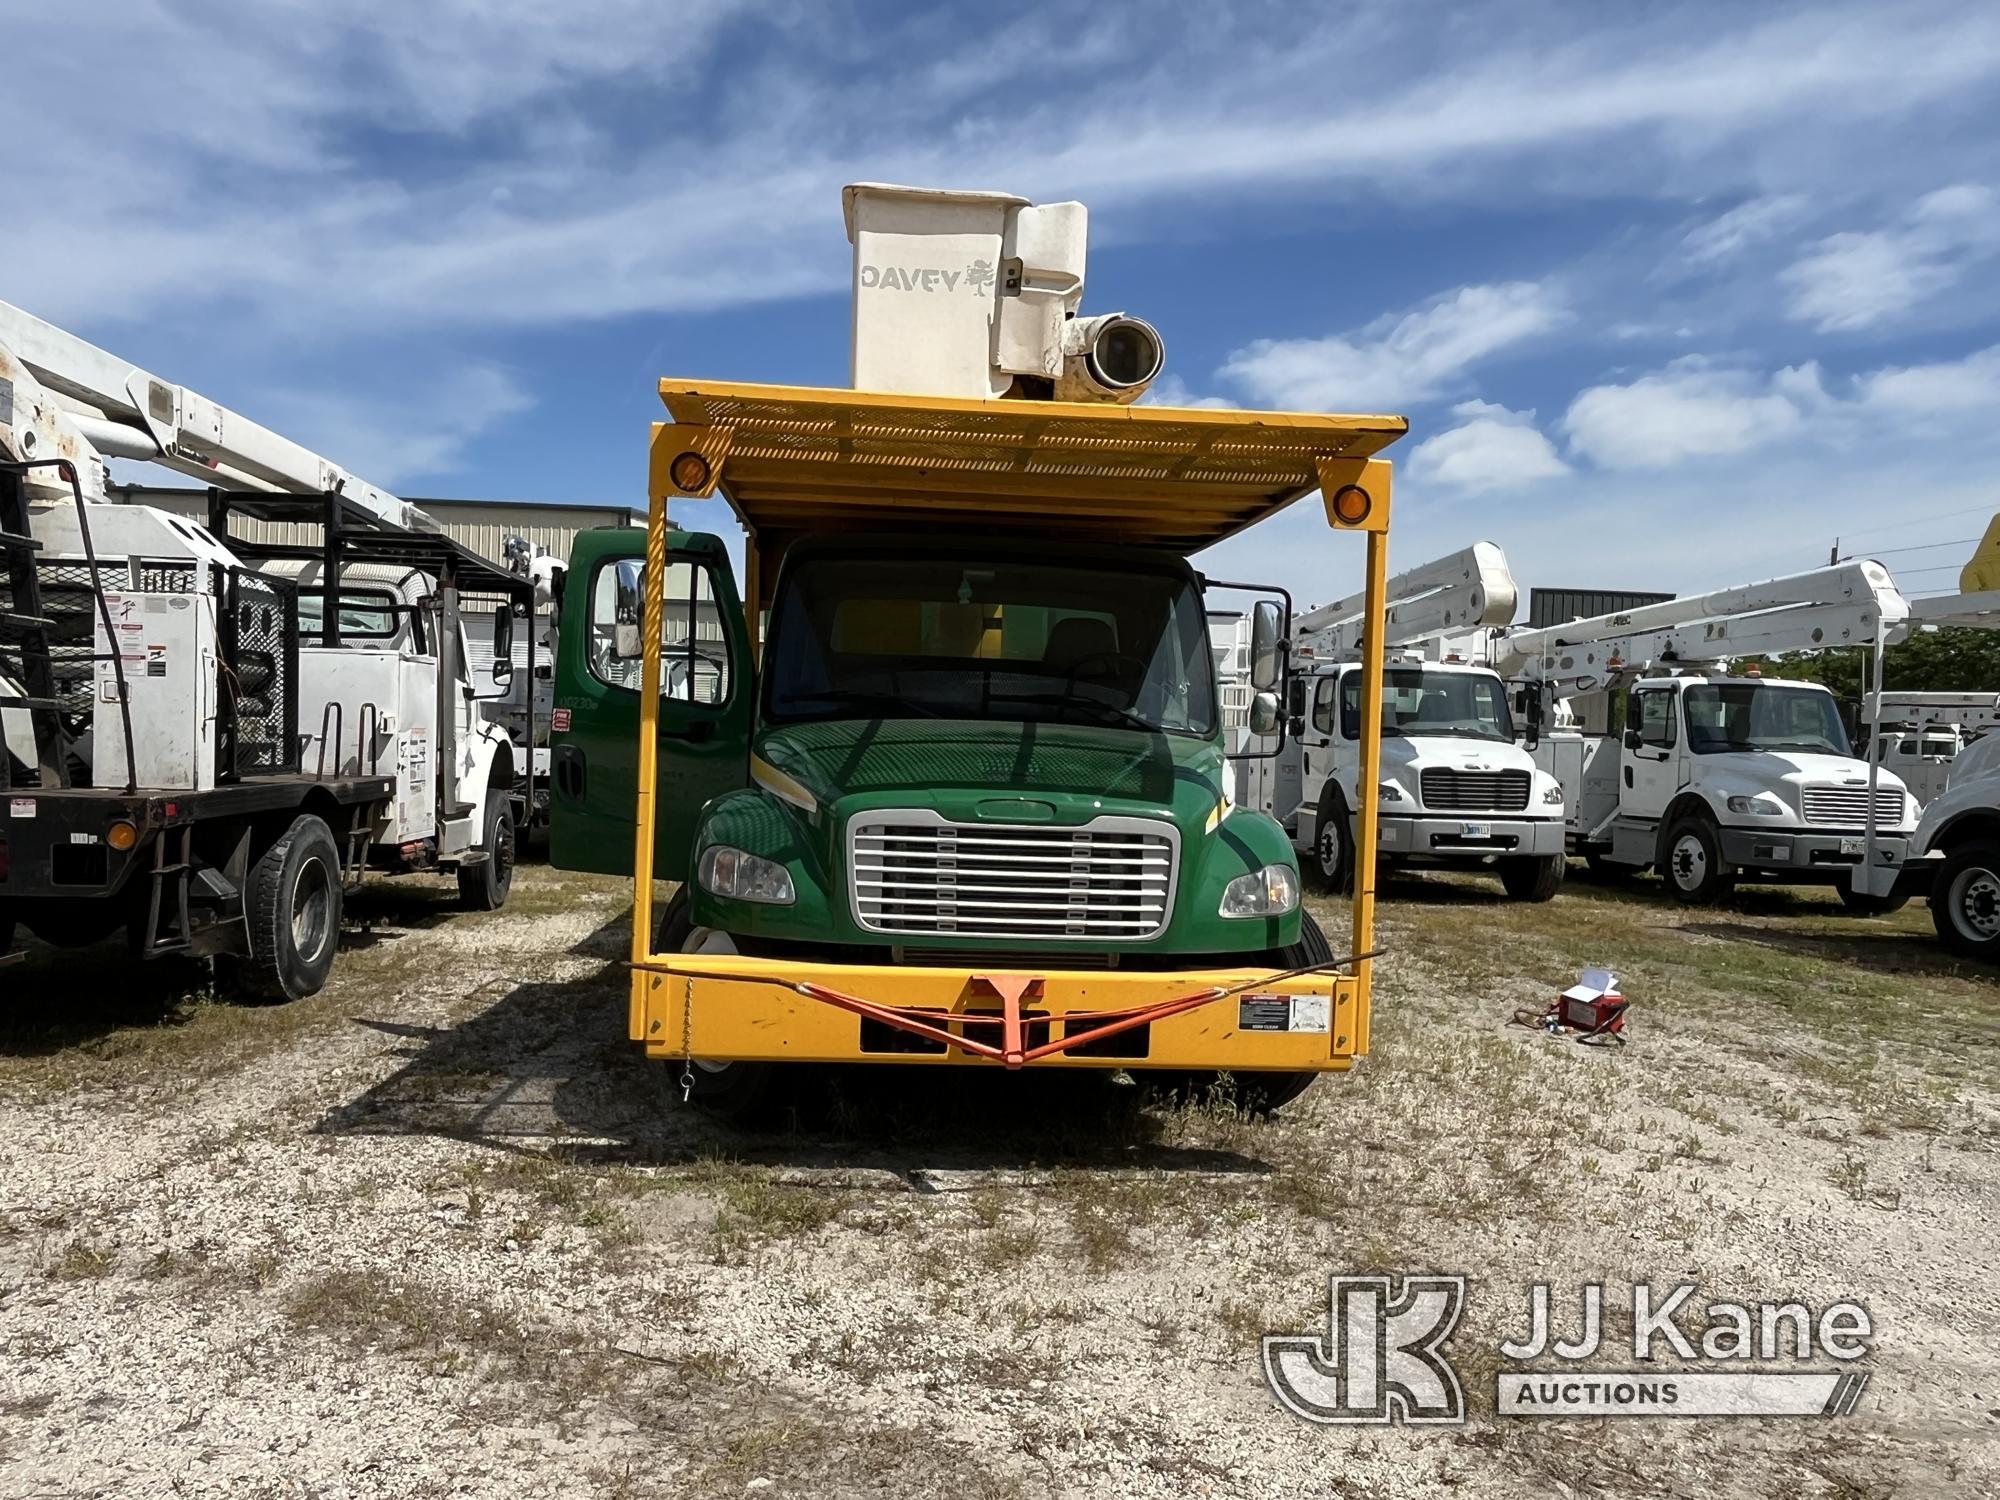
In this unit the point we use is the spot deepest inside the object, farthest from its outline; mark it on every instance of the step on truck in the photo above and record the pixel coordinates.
(943, 783)
(1455, 790)
(1683, 762)
(204, 742)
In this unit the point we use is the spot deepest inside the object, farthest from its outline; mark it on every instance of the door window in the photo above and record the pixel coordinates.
(1656, 720)
(694, 652)
(1324, 693)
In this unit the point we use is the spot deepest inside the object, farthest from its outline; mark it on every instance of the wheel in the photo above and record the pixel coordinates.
(1860, 904)
(1333, 844)
(292, 902)
(1261, 1092)
(733, 1091)
(1965, 901)
(1533, 877)
(1695, 871)
(484, 886)
(1605, 870)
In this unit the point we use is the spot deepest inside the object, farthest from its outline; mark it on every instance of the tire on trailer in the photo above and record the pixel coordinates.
(1533, 877)
(484, 886)
(733, 1091)
(1261, 1092)
(292, 904)
(1693, 866)
(1861, 904)
(1331, 861)
(1965, 901)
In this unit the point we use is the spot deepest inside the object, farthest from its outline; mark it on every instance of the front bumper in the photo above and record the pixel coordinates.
(1427, 835)
(1815, 851)
(752, 1009)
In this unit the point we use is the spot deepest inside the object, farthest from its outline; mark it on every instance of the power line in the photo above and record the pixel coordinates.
(1926, 547)
(1943, 515)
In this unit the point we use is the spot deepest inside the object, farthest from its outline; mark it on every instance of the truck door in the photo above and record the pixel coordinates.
(1651, 759)
(706, 697)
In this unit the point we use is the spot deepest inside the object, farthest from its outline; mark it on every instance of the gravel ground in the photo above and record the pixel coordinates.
(440, 1231)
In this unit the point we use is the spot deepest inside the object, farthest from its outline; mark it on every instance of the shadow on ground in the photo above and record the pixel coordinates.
(548, 1067)
(1884, 950)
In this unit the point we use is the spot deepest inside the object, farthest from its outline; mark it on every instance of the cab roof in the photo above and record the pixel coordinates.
(808, 459)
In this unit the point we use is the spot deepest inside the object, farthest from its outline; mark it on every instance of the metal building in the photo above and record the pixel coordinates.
(482, 525)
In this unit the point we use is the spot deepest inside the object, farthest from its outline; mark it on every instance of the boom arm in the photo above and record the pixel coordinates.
(84, 403)
(1848, 604)
(1469, 590)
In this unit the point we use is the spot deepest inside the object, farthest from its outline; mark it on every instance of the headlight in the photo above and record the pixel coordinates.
(1269, 892)
(1763, 805)
(1552, 796)
(744, 877)
(1391, 792)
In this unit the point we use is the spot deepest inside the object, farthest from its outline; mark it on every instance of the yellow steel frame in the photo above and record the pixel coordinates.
(1236, 466)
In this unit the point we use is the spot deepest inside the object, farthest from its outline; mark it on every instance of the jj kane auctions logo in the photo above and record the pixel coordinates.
(1381, 1358)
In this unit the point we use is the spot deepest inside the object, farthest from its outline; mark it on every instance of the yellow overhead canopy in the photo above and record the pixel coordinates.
(795, 459)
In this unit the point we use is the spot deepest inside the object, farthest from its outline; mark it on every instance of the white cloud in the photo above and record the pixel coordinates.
(1858, 280)
(1971, 384)
(1171, 390)
(480, 162)
(1691, 409)
(1492, 448)
(1397, 360)
(390, 441)
(1747, 224)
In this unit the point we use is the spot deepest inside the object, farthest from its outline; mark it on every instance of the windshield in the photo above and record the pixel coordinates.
(1756, 716)
(1416, 701)
(946, 637)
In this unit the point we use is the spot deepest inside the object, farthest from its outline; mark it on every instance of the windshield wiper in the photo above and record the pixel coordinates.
(1124, 716)
(851, 698)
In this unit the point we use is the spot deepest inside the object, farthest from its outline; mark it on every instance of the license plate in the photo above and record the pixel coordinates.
(1475, 830)
(1852, 846)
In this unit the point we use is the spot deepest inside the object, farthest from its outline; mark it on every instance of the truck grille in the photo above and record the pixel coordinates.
(1446, 790)
(1111, 879)
(1847, 806)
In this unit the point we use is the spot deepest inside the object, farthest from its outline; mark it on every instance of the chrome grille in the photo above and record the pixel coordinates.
(915, 873)
(1446, 790)
(1847, 806)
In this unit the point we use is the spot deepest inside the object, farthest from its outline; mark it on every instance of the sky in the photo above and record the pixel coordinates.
(1675, 296)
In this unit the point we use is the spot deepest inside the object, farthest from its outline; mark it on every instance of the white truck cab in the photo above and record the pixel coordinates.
(1455, 787)
(1720, 775)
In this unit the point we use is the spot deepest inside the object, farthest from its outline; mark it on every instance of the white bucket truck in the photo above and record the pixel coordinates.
(1455, 788)
(1710, 774)
(204, 741)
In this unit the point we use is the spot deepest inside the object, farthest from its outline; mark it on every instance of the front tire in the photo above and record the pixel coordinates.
(1535, 877)
(1333, 845)
(484, 886)
(1260, 1093)
(1694, 868)
(732, 1091)
(292, 903)
(1965, 901)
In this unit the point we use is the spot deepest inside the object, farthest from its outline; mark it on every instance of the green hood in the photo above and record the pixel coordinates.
(1077, 769)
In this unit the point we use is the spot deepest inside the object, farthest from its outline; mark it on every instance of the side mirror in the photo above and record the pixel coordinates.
(1264, 713)
(1632, 739)
(1267, 624)
(1533, 716)
(625, 642)
(503, 642)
